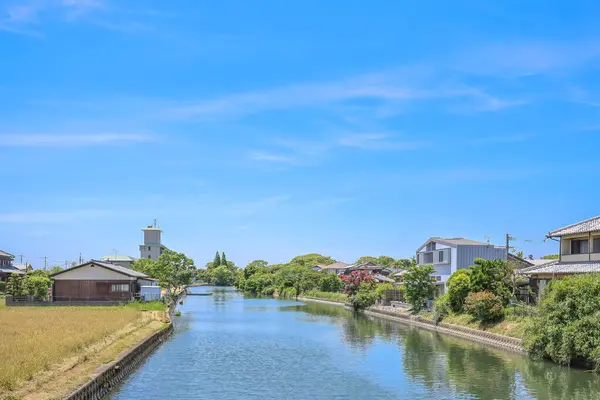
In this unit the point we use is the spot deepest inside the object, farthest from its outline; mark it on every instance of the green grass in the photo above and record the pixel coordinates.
(149, 306)
(2, 301)
(341, 297)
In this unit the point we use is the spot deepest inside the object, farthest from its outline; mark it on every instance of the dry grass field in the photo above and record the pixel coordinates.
(34, 339)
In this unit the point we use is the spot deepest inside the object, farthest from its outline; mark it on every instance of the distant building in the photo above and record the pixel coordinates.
(152, 247)
(124, 261)
(6, 266)
(450, 255)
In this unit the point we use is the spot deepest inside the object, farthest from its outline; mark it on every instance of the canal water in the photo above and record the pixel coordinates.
(230, 347)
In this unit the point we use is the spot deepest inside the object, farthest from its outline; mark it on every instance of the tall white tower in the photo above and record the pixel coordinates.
(152, 247)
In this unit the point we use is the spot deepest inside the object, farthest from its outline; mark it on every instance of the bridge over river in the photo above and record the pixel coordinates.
(230, 347)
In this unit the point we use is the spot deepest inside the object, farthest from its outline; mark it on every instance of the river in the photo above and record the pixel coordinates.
(226, 346)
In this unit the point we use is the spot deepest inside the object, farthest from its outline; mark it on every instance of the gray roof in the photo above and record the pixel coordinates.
(537, 264)
(566, 268)
(589, 225)
(453, 242)
(5, 254)
(9, 269)
(337, 265)
(382, 278)
(113, 267)
(117, 258)
(22, 267)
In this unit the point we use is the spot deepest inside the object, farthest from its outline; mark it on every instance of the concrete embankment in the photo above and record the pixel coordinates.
(475, 335)
(109, 376)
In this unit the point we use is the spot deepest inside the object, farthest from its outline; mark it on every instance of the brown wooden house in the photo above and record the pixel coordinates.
(98, 281)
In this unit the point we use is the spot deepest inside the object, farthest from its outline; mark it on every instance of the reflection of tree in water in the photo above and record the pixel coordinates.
(421, 356)
(222, 295)
(545, 380)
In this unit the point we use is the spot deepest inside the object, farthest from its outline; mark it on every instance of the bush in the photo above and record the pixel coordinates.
(382, 288)
(2, 287)
(331, 283)
(484, 306)
(258, 282)
(496, 276)
(441, 308)
(566, 326)
(341, 297)
(268, 291)
(365, 297)
(288, 293)
(459, 286)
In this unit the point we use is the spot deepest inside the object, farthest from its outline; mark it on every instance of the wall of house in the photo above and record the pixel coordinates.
(152, 237)
(152, 251)
(565, 249)
(90, 272)
(467, 253)
(92, 290)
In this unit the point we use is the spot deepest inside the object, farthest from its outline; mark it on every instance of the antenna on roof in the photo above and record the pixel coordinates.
(155, 222)
(488, 239)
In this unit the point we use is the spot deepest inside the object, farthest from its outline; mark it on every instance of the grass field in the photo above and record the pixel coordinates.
(33, 339)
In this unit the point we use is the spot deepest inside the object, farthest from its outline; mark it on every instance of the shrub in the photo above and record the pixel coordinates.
(354, 280)
(331, 283)
(484, 306)
(418, 286)
(566, 326)
(288, 293)
(268, 291)
(382, 288)
(341, 297)
(441, 308)
(496, 276)
(2, 287)
(365, 297)
(258, 282)
(459, 286)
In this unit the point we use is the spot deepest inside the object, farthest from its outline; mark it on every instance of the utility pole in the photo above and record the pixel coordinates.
(21, 256)
(80, 259)
(45, 262)
(508, 239)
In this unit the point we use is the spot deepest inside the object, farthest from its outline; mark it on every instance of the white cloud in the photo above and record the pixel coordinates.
(272, 157)
(67, 140)
(502, 139)
(378, 141)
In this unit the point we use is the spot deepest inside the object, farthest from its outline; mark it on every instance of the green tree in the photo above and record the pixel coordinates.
(309, 260)
(55, 270)
(145, 266)
(202, 275)
(14, 286)
(365, 259)
(255, 267)
(224, 260)
(240, 280)
(223, 276)
(331, 283)
(418, 286)
(551, 257)
(405, 263)
(174, 270)
(459, 285)
(36, 283)
(496, 276)
(217, 261)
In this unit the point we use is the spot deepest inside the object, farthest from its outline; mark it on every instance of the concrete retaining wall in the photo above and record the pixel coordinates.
(488, 338)
(322, 301)
(110, 376)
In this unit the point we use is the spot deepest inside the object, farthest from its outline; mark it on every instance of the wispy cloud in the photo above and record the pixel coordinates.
(66, 140)
(254, 207)
(53, 217)
(272, 157)
(378, 141)
(501, 139)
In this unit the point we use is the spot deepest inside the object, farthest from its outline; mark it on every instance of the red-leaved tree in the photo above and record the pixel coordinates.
(354, 280)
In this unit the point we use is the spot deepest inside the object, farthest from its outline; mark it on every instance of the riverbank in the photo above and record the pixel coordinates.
(398, 315)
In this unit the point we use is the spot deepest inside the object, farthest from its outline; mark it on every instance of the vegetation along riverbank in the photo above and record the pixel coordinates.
(562, 327)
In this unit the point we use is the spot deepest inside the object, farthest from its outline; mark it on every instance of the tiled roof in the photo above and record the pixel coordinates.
(337, 265)
(9, 269)
(5, 254)
(537, 264)
(114, 267)
(117, 258)
(589, 225)
(567, 268)
(382, 278)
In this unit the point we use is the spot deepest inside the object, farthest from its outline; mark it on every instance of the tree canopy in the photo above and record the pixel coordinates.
(309, 260)
(173, 270)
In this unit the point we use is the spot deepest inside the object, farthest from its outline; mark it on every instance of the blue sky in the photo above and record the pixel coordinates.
(269, 129)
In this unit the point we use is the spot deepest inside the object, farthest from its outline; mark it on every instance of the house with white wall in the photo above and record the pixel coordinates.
(450, 255)
(579, 253)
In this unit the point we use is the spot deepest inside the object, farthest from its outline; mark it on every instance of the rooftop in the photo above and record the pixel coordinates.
(5, 254)
(9, 269)
(113, 267)
(117, 258)
(589, 225)
(337, 265)
(566, 268)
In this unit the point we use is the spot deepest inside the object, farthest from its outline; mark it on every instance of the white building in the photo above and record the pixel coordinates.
(123, 261)
(152, 247)
(450, 255)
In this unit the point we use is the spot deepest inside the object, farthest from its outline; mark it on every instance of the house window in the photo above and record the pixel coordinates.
(441, 257)
(428, 258)
(149, 257)
(596, 248)
(430, 246)
(149, 248)
(418, 258)
(579, 246)
(119, 288)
